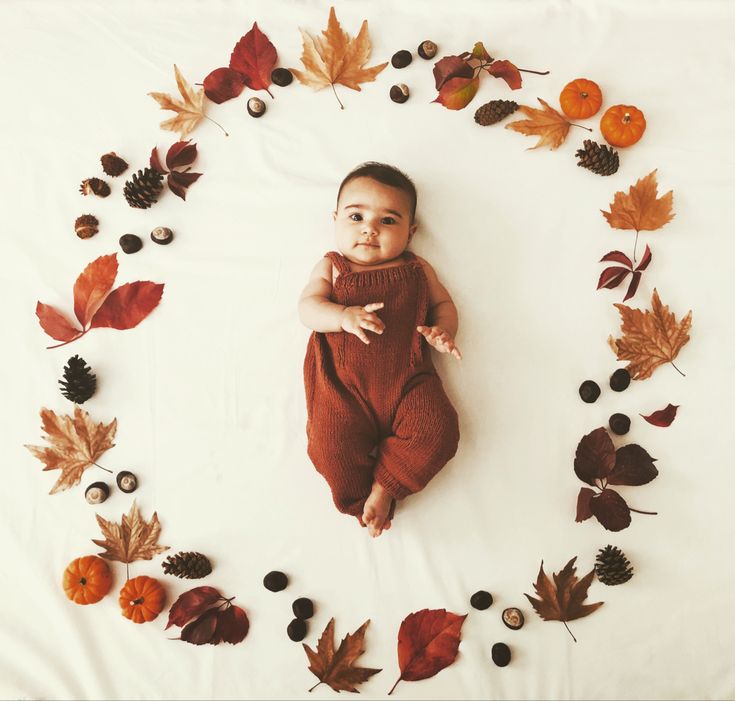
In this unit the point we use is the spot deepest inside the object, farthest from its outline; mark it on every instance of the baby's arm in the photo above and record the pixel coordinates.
(442, 315)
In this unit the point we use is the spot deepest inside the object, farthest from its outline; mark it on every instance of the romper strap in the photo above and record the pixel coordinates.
(339, 261)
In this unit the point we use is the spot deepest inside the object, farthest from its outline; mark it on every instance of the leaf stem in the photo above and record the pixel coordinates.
(341, 106)
(217, 123)
(570, 632)
(677, 369)
(395, 685)
(127, 572)
(102, 468)
(580, 126)
(315, 686)
(528, 70)
(650, 513)
(58, 345)
(635, 244)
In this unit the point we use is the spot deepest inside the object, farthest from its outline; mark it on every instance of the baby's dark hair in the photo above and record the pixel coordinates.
(383, 173)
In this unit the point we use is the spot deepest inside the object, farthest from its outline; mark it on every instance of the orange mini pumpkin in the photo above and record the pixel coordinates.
(622, 125)
(87, 579)
(580, 98)
(141, 599)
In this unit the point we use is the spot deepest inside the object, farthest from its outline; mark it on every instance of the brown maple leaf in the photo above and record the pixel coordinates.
(336, 58)
(335, 668)
(133, 539)
(77, 443)
(547, 123)
(562, 600)
(650, 337)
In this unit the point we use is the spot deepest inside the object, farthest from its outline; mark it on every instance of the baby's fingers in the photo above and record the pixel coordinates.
(373, 306)
(361, 335)
(371, 326)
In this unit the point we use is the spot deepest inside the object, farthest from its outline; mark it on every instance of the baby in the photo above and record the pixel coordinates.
(379, 424)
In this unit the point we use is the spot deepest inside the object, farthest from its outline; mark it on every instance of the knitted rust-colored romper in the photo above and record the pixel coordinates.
(385, 394)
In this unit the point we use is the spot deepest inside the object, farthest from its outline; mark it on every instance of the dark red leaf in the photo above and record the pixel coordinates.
(254, 57)
(190, 604)
(595, 456)
(457, 93)
(662, 417)
(617, 257)
(179, 182)
(633, 285)
(126, 306)
(232, 626)
(633, 466)
(451, 67)
(55, 324)
(583, 504)
(610, 510)
(155, 161)
(223, 84)
(92, 286)
(201, 630)
(181, 154)
(612, 277)
(646, 259)
(507, 71)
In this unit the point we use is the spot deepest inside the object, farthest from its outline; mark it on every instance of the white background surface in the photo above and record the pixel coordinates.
(208, 391)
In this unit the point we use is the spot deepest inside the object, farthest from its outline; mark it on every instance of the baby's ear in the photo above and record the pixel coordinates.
(334, 216)
(412, 230)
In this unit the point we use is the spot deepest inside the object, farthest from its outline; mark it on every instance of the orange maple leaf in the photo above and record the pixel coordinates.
(650, 338)
(336, 58)
(547, 123)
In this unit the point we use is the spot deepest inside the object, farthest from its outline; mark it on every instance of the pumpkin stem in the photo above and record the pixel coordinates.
(138, 601)
(579, 125)
(83, 581)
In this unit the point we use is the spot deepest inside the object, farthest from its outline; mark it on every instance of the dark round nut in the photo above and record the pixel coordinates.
(589, 391)
(281, 76)
(401, 59)
(619, 380)
(501, 654)
(162, 235)
(427, 49)
(296, 629)
(127, 481)
(399, 93)
(130, 243)
(513, 618)
(619, 424)
(97, 492)
(256, 107)
(303, 608)
(481, 600)
(275, 581)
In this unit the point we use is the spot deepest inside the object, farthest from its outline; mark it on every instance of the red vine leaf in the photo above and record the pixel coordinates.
(180, 155)
(610, 509)
(595, 456)
(583, 504)
(507, 71)
(201, 630)
(126, 306)
(457, 93)
(191, 604)
(232, 626)
(92, 286)
(633, 466)
(55, 324)
(662, 417)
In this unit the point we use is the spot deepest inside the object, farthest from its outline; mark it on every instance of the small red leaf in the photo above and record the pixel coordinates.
(179, 182)
(451, 67)
(126, 306)
(190, 604)
(612, 277)
(646, 259)
(480, 52)
(583, 504)
(155, 161)
(55, 324)
(611, 510)
(180, 154)
(595, 456)
(617, 257)
(633, 466)
(254, 57)
(507, 71)
(201, 630)
(457, 93)
(223, 84)
(92, 286)
(662, 417)
(232, 626)
(633, 285)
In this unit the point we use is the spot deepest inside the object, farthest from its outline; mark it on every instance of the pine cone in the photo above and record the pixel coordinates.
(493, 111)
(112, 164)
(143, 188)
(94, 186)
(86, 226)
(79, 383)
(602, 160)
(612, 566)
(187, 565)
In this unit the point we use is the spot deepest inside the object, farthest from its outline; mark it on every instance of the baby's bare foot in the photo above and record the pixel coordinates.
(377, 507)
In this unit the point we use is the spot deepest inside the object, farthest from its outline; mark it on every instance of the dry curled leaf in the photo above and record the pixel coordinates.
(551, 126)
(132, 539)
(77, 444)
(189, 110)
(662, 417)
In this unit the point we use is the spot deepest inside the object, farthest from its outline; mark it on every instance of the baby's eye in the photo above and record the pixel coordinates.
(355, 214)
(388, 220)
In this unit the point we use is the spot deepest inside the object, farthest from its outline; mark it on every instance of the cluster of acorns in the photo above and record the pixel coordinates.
(589, 391)
(512, 617)
(303, 608)
(279, 76)
(427, 50)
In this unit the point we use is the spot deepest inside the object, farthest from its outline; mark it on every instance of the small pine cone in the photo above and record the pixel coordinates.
(94, 186)
(602, 160)
(79, 384)
(612, 567)
(143, 188)
(86, 226)
(187, 565)
(493, 111)
(112, 164)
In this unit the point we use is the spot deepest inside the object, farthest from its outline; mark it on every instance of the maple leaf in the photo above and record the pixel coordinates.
(562, 600)
(650, 338)
(77, 444)
(336, 58)
(336, 668)
(547, 123)
(132, 539)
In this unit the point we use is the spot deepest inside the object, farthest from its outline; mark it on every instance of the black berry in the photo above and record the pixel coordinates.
(501, 654)
(401, 59)
(130, 243)
(619, 380)
(296, 629)
(256, 107)
(399, 93)
(127, 481)
(97, 492)
(513, 618)
(619, 424)
(303, 608)
(282, 76)
(427, 49)
(481, 600)
(275, 581)
(589, 391)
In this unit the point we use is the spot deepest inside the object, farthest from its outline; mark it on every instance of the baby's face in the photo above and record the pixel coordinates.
(372, 222)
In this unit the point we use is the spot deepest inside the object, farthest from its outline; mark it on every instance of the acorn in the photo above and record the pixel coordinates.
(256, 107)
(427, 49)
(303, 608)
(162, 235)
(619, 424)
(86, 226)
(401, 59)
(281, 76)
(96, 493)
(130, 243)
(399, 93)
(513, 618)
(619, 380)
(481, 600)
(501, 654)
(94, 186)
(113, 165)
(275, 581)
(127, 481)
(589, 390)
(296, 629)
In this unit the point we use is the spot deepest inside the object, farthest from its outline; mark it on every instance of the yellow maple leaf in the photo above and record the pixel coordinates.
(77, 443)
(650, 337)
(336, 58)
(189, 111)
(640, 209)
(547, 123)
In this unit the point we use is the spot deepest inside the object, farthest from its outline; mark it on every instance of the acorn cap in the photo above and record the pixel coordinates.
(97, 492)
(127, 481)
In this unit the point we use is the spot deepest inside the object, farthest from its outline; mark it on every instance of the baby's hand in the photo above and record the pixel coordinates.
(440, 339)
(355, 319)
